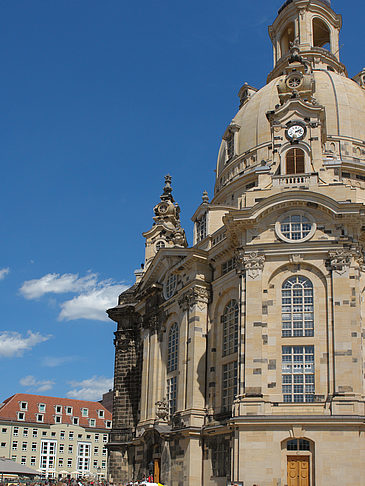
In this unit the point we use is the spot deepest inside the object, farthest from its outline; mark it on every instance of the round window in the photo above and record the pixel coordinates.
(160, 244)
(295, 227)
(294, 81)
(170, 286)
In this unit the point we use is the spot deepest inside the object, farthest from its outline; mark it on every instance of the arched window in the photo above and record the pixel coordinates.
(229, 321)
(287, 38)
(172, 360)
(295, 227)
(230, 328)
(295, 161)
(321, 34)
(160, 244)
(172, 349)
(298, 445)
(297, 307)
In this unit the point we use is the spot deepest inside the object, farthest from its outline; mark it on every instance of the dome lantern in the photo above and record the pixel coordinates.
(311, 26)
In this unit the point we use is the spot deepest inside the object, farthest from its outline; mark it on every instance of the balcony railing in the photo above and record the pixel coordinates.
(295, 180)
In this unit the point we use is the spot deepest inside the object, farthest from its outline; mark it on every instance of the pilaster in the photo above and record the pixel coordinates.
(346, 329)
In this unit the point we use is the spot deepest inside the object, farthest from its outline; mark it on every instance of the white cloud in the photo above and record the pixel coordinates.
(36, 385)
(13, 344)
(57, 284)
(4, 272)
(90, 389)
(53, 361)
(93, 304)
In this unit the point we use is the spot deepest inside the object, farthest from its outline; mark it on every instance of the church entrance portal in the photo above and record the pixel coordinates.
(298, 470)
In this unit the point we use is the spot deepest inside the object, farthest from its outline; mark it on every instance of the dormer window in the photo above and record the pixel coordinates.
(68, 410)
(58, 409)
(92, 422)
(85, 412)
(21, 415)
(75, 420)
(101, 413)
(108, 424)
(40, 417)
(23, 405)
(41, 407)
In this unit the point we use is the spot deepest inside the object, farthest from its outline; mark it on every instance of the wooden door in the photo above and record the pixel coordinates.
(298, 471)
(156, 470)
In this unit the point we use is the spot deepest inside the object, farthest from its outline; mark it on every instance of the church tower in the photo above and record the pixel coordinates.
(249, 346)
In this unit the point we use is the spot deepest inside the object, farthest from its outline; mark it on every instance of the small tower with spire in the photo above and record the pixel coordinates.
(166, 231)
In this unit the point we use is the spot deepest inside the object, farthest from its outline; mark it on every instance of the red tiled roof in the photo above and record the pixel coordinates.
(10, 407)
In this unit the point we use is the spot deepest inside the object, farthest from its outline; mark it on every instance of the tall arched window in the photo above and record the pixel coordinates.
(297, 307)
(229, 321)
(172, 361)
(230, 328)
(172, 350)
(295, 161)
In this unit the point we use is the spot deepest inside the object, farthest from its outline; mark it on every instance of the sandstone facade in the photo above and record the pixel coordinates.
(241, 358)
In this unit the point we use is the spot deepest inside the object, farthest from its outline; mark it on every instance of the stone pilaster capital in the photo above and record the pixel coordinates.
(194, 296)
(251, 262)
(339, 260)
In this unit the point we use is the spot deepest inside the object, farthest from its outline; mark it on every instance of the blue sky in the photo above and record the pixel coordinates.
(99, 100)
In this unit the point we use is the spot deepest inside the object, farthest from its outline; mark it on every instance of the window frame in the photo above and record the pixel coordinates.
(297, 307)
(294, 380)
(290, 214)
(21, 416)
(229, 385)
(42, 407)
(229, 325)
(201, 226)
(173, 348)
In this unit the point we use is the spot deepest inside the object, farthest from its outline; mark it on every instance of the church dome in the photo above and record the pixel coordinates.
(342, 98)
(309, 77)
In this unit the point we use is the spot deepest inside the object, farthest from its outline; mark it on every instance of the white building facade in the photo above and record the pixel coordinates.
(59, 437)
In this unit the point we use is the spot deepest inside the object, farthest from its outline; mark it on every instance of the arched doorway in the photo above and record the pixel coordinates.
(298, 458)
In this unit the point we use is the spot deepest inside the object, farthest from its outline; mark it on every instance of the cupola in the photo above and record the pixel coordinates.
(311, 26)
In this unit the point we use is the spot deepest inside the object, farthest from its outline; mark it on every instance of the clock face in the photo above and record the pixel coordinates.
(295, 132)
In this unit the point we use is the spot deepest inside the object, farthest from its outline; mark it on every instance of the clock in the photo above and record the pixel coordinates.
(295, 131)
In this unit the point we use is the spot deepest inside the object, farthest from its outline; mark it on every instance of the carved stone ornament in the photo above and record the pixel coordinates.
(251, 262)
(360, 258)
(196, 296)
(162, 410)
(296, 258)
(339, 260)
